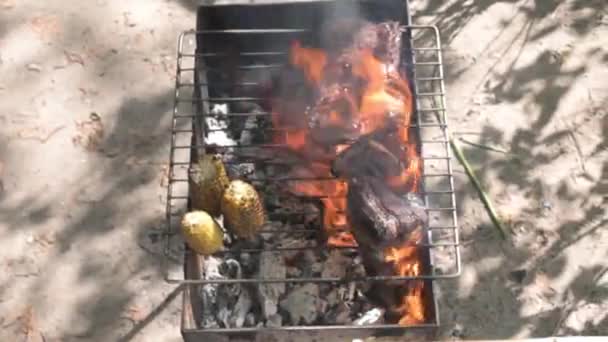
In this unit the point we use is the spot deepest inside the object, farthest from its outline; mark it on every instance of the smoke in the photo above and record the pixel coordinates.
(340, 20)
(344, 9)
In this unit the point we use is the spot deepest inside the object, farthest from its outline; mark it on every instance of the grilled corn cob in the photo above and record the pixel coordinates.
(202, 233)
(208, 180)
(242, 209)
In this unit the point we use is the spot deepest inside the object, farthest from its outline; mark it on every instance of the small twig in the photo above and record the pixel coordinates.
(42, 139)
(485, 147)
(567, 309)
(577, 147)
(482, 194)
(471, 174)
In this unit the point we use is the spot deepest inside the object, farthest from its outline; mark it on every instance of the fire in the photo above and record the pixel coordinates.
(407, 262)
(383, 95)
(312, 61)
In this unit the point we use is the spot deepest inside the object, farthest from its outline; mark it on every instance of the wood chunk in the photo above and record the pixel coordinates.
(367, 157)
(378, 216)
(381, 219)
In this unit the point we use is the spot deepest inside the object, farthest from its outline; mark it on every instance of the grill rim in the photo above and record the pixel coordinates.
(429, 279)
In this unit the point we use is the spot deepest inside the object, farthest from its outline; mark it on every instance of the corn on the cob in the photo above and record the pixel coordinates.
(242, 209)
(202, 233)
(208, 180)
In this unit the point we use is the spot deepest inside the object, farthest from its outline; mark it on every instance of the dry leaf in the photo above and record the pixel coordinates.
(34, 67)
(73, 57)
(38, 133)
(45, 239)
(89, 133)
(135, 314)
(27, 322)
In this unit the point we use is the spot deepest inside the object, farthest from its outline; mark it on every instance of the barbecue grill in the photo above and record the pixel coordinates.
(262, 34)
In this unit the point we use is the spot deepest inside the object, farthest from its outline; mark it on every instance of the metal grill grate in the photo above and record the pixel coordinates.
(192, 102)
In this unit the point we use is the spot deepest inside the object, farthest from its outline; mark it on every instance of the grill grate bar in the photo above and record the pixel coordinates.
(253, 31)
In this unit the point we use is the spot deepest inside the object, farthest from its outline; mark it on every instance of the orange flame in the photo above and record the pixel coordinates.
(384, 95)
(312, 61)
(407, 262)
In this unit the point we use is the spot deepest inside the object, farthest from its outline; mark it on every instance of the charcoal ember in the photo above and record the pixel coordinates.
(310, 263)
(272, 265)
(303, 304)
(293, 272)
(217, 126)
(248, 132)
(239, 120)
(311, 213)
(274, 321)
(247, 262)
(240, 170)
(209, 292)
(241, 309)
(233, 300)
(269, 236)
(356, 269)
(334, 297)
(297, 246)
(373, 316)
(339, 314)
(250, 320)
(335, 266)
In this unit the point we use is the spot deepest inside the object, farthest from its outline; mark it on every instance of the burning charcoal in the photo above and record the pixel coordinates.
(223, 315)
(312, 213)
(373, 316)
(316, 268)
(340, 314)
(303, 304)
(352, 290)
(293, 272)
(209, 292)
(233, 301)
(333, 297)
(291, 242)
(274, 321)
(231, 269)
(246, 262)
(217, 124)
(271, 225)
(248, 131)
(240, 310)
(238, 171)
(250, 320)
(357, 270)
(335, 265)
(310, 264)
(272, 265)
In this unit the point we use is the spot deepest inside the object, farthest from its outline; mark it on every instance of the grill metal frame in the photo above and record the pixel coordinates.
(190, 109)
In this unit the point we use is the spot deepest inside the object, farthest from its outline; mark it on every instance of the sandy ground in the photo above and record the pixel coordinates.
(85, 99)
